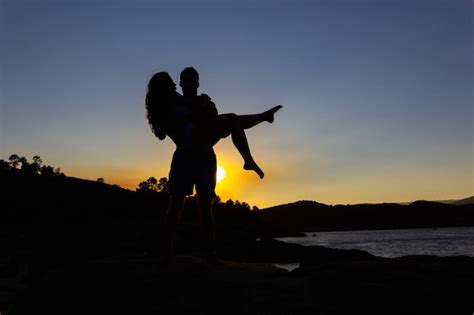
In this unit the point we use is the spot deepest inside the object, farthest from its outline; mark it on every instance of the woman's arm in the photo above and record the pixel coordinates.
(208, 106)
(161, 135)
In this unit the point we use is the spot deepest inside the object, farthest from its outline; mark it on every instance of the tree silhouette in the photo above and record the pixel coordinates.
(31, 168)
(21, 165)
(24, 163)
(101, 180)
(14, 161)
(47, 170)
(163, 184)
(57, 172)
(36, 165)
(151, 184)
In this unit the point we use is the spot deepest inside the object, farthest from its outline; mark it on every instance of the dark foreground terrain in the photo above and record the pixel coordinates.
(72, 246)
(112, 277)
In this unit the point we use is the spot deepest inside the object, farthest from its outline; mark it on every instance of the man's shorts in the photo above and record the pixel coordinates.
(189, 168)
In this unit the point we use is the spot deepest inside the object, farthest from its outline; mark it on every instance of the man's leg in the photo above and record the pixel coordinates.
(171, 221)
(205, 188)
(207, 223)
(180, 185)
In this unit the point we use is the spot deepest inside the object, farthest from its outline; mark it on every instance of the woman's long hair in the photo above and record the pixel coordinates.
(161, 89)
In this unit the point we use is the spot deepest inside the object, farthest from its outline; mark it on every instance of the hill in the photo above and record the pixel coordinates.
(36, 198)
(313, 216)
(465, 201)
(32, 197)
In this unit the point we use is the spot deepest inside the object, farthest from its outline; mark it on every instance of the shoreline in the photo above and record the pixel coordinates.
(443, 242)
(328, 281)
(108, 273)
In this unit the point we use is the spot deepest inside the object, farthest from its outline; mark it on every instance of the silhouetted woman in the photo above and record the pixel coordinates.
(169, 116)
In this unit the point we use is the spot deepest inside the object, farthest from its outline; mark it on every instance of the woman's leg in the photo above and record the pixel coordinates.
(209, 132)
(240, 142)
(240, 122)
(248, 121)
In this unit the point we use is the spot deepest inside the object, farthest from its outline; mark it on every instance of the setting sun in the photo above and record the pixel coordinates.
(220, 174)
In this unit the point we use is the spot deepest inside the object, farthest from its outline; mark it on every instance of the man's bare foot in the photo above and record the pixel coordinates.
(269, 113)
(252, 166)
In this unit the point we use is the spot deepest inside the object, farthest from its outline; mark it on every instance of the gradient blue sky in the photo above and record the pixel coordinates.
(377, 95)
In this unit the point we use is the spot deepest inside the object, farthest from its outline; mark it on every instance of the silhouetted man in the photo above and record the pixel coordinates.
(205, 178)
(195, 167)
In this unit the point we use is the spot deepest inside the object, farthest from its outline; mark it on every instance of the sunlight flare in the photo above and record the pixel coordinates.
(220, 174)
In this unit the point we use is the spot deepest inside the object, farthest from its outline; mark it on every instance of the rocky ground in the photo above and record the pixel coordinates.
(328, 281)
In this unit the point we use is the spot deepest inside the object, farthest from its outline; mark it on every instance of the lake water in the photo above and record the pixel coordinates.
(394, 243)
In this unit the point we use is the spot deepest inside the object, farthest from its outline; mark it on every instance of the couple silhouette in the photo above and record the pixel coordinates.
(192, 122)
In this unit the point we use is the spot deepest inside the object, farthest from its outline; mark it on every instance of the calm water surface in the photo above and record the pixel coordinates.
(394, 243)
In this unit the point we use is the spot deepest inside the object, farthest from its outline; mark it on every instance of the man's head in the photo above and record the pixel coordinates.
(189, 81)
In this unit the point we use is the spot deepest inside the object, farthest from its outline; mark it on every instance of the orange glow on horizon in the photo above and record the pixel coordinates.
(283, 184)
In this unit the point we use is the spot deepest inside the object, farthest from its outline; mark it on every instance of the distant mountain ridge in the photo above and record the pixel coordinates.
(26, 197)
(465, 201)
(309, 215)
(458, 202)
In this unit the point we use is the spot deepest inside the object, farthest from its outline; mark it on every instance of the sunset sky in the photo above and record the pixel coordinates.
(377, 95)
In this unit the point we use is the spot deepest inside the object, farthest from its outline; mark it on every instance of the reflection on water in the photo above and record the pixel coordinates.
(288, 267)
(396, 243)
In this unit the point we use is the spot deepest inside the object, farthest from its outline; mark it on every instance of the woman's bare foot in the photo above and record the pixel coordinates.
(269, 113)
(252, 166)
